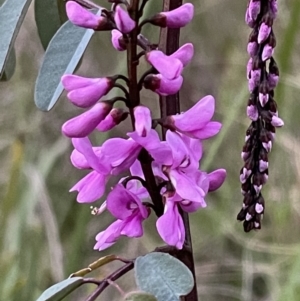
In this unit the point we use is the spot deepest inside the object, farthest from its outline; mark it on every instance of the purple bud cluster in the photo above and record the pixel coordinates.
(262, 75)
(173, 164)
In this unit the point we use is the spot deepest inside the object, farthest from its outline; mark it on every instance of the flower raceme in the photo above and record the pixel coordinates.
(177, 182)
(176, 160)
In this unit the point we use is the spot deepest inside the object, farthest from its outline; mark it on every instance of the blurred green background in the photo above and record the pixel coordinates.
(46, 235)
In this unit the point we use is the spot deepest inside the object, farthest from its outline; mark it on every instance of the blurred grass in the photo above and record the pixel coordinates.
(45, 235)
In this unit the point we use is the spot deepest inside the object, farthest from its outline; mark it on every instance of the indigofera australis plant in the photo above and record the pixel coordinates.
(161, 155)
(164, 168)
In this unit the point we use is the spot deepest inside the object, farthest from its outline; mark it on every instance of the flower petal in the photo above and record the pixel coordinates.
(90, 188)
(170, 226)
(185, 53)
(83, 124)
(216, 179)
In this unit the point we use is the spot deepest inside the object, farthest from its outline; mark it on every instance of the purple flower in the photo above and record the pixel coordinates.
(196, 122)
(143, 120)
(120, 153)
(169, 67)
(175, 18)
(170, 225)
(123, 21)
(85, 92)
(130, 213)
(162, 85)
(117, 40)
(83, 18)
(84, 124)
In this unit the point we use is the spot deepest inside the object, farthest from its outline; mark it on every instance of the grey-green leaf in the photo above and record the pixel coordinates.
(139, 296)
(60, 290)
(47, 19)
(12, 14)
(164, 276)
(62, 56)
(9, 67)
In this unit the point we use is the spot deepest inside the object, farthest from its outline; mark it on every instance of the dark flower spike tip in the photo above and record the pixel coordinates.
(262, 75)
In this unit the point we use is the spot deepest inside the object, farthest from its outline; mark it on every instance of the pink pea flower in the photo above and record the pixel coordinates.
(123, 21)
(82, 17)
(120, 153)
(175, 18)
(117, 40)
(115, 117)
(161, 85)
(84, 124)
(130, 213)
(169, 67)
(170, 225)
(196, 122)
(143, 120)
(185, 53)
(85, 92)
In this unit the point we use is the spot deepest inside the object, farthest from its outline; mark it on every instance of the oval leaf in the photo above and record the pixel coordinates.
(47, 20)
(62, 56)
(139, 296)
(60, 290)
(164, 276)
(12, 14)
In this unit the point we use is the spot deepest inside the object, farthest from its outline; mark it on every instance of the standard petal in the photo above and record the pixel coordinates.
(216, 179)
(179, 150)
(185, 53)
(90, 188)
(167, 66)
(96, 160)
(197, 116)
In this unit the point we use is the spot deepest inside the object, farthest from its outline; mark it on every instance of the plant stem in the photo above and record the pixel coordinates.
(105, 283)
(134, 100)
(170, 105)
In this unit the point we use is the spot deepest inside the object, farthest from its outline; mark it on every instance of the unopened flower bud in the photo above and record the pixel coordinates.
(117, 40)
(175, 18)
(254, 9)
(263, 33)
(162, 85)
(84, 124)
(115, 116)
(123, 21)
(84, 18)
(85, 92)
